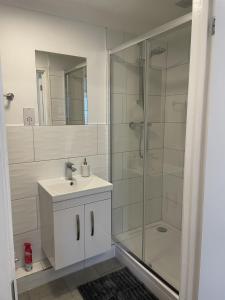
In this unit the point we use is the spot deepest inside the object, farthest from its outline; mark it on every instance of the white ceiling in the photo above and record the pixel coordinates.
(136, 16)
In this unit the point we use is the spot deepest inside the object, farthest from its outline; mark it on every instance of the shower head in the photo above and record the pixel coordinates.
(184, 3)
(157, 51)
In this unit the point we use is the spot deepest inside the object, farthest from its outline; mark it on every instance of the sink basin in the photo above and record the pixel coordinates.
(61, 189)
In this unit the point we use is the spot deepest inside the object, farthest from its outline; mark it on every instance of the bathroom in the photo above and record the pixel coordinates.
(103, 107)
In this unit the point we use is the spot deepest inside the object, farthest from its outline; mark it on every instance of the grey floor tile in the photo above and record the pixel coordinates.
(54, 290)
(76, 279)
(77, 295)
(24, 296)
(108, 266)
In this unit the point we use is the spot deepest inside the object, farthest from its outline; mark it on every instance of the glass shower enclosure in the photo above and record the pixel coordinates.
(148, 87)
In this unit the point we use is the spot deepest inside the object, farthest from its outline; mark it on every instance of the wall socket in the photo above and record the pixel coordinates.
(28, 117)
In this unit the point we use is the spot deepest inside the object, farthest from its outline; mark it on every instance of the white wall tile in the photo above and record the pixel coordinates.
(133, 79)
(155, 135)
(155, 108)
(76, 111)
(24, 176)
(127, 191)
(58, 110)
(57, 87)
(99, 164)
(20, 144)
(173, 162)
(176, 108)
(124, 138)
(53, 142)
(118, 73)
(117, 166)
(154, 186)
(156, 84)
(173, 188)
(132, 216)
(177, 80)
(24, 215)
(134, 112)
(103, 142)
(34, 237)
(76, 87)
(174, 214)
(59, 123)
(153, 210)
(117, 108)
(175, 134)
(132, 164)
(155, 162)
(117, 220)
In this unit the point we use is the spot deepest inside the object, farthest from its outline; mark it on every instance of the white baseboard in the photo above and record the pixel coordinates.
(151, 282)
(39, 278)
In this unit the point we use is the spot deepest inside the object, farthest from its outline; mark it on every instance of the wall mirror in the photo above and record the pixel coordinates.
(61, 89)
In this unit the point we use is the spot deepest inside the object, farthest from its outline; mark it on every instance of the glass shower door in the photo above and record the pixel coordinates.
(165, 125)
(149, 85)
(127, 140)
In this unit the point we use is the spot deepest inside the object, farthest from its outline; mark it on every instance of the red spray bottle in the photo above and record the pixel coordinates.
(28, 262)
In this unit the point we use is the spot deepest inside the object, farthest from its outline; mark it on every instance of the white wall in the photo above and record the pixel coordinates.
(212, 269)
(21, 32)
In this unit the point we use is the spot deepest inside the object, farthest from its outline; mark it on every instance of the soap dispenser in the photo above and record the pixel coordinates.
(85, 169)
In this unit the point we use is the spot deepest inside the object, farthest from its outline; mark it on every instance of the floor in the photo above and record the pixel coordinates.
(162, 249)
(66, 288)
(162, 252)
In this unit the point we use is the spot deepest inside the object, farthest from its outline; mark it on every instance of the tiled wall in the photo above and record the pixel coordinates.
(37, 153)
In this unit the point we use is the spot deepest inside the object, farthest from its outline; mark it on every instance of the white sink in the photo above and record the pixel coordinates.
(61, 189)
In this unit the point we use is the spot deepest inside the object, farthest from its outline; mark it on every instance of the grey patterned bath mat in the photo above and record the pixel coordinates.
(119, 285)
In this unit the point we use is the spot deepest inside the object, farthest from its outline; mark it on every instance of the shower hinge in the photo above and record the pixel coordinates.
(212, 27)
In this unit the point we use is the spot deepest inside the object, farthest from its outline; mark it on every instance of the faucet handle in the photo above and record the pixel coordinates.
(69, 164)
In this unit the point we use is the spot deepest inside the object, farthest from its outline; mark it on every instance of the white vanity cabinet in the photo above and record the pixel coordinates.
(68, 236)
(75, 228)
(97, 227)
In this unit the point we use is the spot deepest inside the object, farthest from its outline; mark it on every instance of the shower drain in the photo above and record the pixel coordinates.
(161, 229)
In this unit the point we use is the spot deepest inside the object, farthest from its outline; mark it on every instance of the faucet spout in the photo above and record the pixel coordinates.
(69, 170)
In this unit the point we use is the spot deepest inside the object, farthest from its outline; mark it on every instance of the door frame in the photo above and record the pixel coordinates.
(194, 150)
(7, 258)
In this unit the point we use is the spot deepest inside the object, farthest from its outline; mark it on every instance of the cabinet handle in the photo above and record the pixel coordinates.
(78, 227)
(92, 223)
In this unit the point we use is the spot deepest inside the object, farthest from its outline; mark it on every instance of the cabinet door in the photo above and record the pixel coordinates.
(97, 227)
(69, 236)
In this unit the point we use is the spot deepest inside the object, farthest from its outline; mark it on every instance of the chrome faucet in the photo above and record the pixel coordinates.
(69, 170)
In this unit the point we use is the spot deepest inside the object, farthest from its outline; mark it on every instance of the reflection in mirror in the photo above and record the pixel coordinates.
(61, 89)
